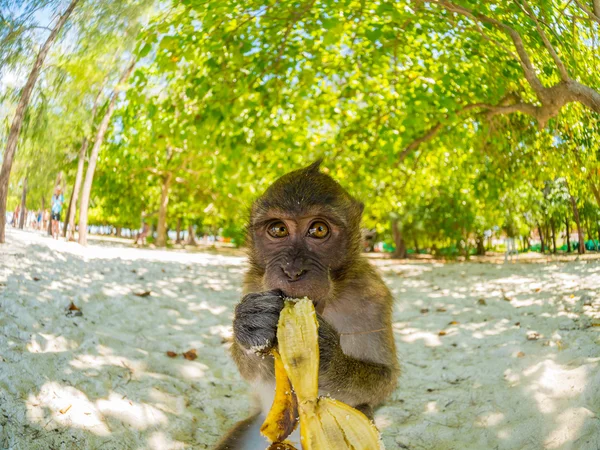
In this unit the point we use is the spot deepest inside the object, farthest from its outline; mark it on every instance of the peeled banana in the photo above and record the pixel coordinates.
(325, 423)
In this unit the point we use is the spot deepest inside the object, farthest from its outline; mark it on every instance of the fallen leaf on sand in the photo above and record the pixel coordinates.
(454, 322)
(73, 310)
(191, 355)
(533, 335)
(73, 307)
(520, 354)
(538, 289)
(424, 310)
(142, 294)
(171, 354)
(36, 279)
(442, 333)
(64, 410)
(481, 301)
(440, 309)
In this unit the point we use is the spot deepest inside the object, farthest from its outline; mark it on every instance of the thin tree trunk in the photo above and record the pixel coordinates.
(191, 239)
(89, 176)
(480, 245)
(568, 234)
(75, 194)
(23, 213)
(543, 247)
(553, 228)
(15, 129)
(161, 239)
(581, 249)
(178, 240)
(118, 231)
(400, 251)
(80, 166)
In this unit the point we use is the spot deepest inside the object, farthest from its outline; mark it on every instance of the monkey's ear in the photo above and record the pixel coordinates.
(314, 167)
(361, 207)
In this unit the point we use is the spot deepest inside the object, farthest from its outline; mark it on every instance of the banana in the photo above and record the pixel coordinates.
(325, 423)
(283, 416)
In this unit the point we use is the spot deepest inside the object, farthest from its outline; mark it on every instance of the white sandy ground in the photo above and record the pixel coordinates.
(103, 380)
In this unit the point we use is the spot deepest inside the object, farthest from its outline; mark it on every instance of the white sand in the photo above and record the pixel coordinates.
(103, 380)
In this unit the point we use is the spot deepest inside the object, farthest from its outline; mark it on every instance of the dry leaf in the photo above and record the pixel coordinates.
(73, 307)
(440, 309)
(454, 322)
(171, 354)
(424, 310)
(533, 336)
(36, 279)
(142, 294)
(191, 355)
(64, 410)
(520, 354)
(482, 301)
(538, 289)
(442, 333)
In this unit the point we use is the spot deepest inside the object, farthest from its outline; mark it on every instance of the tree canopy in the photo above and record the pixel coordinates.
(447, 119)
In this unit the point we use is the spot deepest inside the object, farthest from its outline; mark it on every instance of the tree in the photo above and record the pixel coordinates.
(99, 139)
(17, 123)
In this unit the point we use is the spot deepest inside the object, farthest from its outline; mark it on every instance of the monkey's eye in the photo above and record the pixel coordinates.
(278, 230)
(318, 230)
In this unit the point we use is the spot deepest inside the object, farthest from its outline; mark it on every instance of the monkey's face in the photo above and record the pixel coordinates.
(304, 232)
(299, 253)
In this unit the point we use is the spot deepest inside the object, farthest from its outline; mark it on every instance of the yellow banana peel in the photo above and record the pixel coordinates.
(325, 423)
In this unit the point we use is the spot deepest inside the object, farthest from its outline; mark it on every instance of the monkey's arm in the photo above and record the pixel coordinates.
(352, 380)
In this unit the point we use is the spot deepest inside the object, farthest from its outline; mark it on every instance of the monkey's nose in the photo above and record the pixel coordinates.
(293, 274)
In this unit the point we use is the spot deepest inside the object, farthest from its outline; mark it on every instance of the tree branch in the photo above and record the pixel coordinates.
(591, 14)
(524, 59)
(564, 74)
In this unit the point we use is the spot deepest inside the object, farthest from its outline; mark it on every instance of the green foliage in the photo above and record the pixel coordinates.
(404, 100)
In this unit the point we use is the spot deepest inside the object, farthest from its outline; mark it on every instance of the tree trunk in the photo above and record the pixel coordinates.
(178, 241)
(191, 239)
(118, 231)
(161, 239)
(15, 129)
(23, 201)
(553, 228)
(89, 176)
(480, 245)
(72, 210)
(568, 234)
(543, 247)
(416, 241)
(400, 245)
(581, 249)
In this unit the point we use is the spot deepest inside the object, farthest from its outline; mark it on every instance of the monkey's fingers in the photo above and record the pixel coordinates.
(283, 415)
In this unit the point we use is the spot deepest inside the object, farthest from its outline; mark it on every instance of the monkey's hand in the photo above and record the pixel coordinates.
(329, 344)
(255, 320)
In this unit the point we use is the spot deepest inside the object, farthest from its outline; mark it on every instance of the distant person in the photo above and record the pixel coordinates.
(16, 216)
(45, 218)
(57, 203)
(40, 219)
(141, 239)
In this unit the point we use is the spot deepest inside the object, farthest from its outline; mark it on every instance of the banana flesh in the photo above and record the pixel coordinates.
(325, 423)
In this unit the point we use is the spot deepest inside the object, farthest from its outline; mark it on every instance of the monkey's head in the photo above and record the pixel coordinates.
(304, 234)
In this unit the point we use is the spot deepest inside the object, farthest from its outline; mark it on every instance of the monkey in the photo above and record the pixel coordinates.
(304, 240)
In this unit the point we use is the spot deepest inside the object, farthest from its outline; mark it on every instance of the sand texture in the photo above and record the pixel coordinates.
(494, 356)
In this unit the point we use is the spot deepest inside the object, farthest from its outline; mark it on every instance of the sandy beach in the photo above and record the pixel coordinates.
(494, 356)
